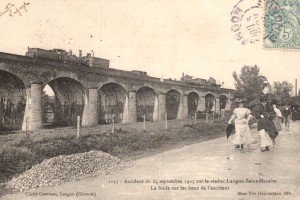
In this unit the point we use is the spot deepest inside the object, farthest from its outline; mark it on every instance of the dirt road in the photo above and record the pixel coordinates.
(208, 170)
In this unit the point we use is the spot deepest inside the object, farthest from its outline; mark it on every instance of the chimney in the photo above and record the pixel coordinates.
(80, 53)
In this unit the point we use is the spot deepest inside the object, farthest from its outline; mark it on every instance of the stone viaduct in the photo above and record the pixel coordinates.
(96, 94)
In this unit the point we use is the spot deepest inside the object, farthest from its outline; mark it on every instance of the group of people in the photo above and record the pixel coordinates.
(269, 119)
(295, 109)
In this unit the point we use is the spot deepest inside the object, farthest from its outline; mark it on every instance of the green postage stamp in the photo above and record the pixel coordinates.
(282, 24)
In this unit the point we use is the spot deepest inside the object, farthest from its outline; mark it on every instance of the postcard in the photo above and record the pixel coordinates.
(149, 99)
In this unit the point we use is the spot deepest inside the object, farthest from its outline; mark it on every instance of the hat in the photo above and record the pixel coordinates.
(239, 100)
(263, 98)
(273, 102)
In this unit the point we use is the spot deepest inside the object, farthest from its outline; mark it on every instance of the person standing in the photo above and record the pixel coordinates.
(264, 107)
(287, 113)
(240, 118)
(294, 113)
(265, 125)
(276, 116)
(266, 130)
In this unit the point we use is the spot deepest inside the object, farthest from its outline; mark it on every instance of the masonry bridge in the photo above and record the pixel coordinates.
(97, 94)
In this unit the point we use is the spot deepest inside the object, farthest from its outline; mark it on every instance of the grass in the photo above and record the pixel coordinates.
(20, 151)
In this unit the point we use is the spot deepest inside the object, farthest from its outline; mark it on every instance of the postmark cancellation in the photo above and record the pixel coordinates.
(274, 22)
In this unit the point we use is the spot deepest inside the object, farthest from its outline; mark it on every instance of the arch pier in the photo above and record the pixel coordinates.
(95, 92)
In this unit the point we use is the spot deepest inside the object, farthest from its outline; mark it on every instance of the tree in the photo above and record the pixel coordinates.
(47, 105)
(283, 89)
(249, 83)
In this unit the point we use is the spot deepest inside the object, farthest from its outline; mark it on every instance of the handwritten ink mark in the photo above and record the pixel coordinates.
(12, 9)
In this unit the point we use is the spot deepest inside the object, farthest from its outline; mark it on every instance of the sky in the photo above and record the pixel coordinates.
(165, 38)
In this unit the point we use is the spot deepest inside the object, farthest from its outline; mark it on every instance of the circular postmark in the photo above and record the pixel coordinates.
(247, 21)
(282, 24)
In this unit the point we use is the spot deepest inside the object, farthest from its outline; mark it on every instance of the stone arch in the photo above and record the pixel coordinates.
(193, 100)
(210, 93)
(155, 90)
(125, 87)
(210, 102)
(223, 101)
(146, 103)
(173, 98)
(12, 101)
(48, 106)
(223, 105)
(69, 100)
(112, 103)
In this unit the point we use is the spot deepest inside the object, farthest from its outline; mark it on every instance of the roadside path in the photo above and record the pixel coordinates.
(207, 161)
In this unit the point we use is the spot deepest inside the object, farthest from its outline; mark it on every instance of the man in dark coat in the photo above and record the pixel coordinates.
(265, 126)
(287, 113)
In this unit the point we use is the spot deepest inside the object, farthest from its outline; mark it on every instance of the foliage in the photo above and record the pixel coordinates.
(283, 89)
(249, 83)
(47, 105)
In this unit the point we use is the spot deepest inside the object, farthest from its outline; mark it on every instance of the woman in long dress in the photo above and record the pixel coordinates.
(267, 132)
(277, 116)
(265, 126)
(241, 117)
